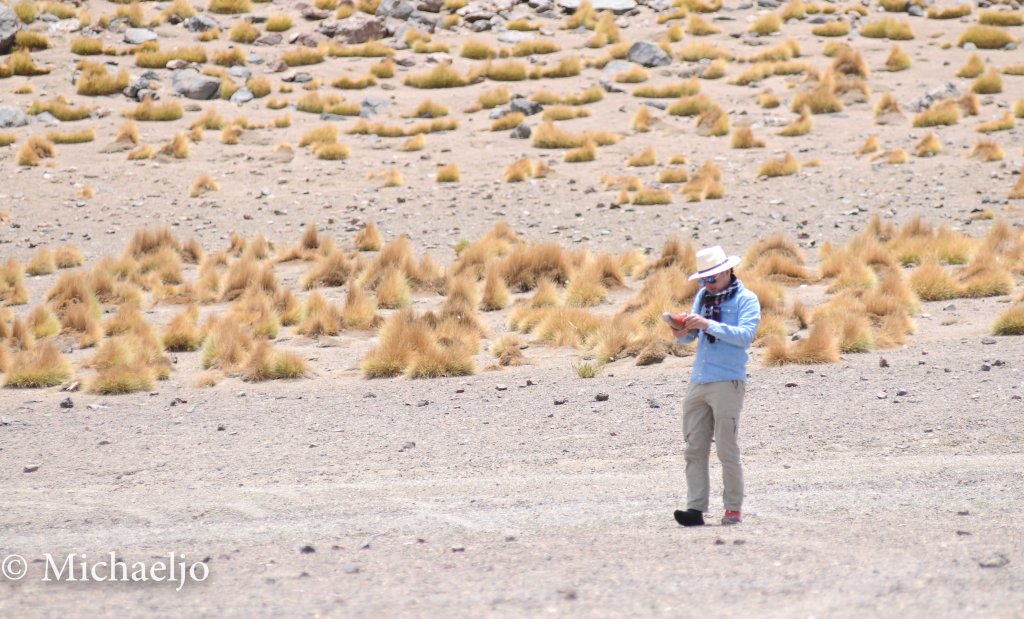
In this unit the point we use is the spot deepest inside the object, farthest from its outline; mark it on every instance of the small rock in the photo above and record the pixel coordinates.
(221, 428)
(351, 568)
(30, 468)
(601, 397)
(882, 363)
(653, 403)
(560, 401)
(915, 10)
(307, 549)
(986, 367)
(423, 403)
(67, 403)
(458, 549)
(525, 106)
(648, 54)
(792, 385)
(500, 387)
(882, 395)
(901, 392)
(995, 560)
(719, 541)
(522, 132)
(988, 340)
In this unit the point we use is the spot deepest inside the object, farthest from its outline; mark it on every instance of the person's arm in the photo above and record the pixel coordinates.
(742, 334)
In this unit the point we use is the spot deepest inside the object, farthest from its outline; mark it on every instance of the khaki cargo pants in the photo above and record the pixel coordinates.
(713, 410)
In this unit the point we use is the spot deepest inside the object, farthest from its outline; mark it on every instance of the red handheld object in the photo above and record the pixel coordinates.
(676, 321)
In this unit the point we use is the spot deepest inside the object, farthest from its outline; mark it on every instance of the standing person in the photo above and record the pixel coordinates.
(724, 319)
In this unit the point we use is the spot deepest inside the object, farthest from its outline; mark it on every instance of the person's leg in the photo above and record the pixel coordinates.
(726, 400)
(698, 428)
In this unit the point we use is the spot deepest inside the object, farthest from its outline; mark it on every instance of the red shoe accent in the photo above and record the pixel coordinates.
(732, 516)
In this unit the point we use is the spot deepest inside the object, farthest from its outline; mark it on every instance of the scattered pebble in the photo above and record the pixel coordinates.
(30, 468)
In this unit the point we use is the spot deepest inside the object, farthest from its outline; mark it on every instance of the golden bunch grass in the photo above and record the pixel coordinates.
(526, 266)
(508, 121)
(31, 40)
(495, 295)
(6, 139)
(267, 363)
(973, 68)
(831, 29)
(320, 317)
(369, 238)
(477, 50)
(673, 175)
(716, 70)
(231, 135)
(346, 82)
(698, 27)
(142, 152)
(949, 12)
(331, 152)
(43, 322)
(202, 185)
(35, 148)
(821, 99)
(634, 75)
(12, 283)
(95, 80)
(894, 156)
(42, 366)
(72, 137)
(984, 277)
(743, 137)
(243, 32)
(227, 346)
(988, 84)
(801, 126)
(642, 120)
(333, 270)
(705, 185)
(754, 74)
(585, 97)
(535, 46)
(1005, 123)
(304, 56)
(229, 7)
(493, 98)
(428, 108)
(1001, 18)
(1010, 321)
(786, 166)
(700, 50)
(150, 111)
(324, 134)
(888, 28)
(945, 112)
(441, 76)
(691, 106)
(278, 23)
(766, 24)
(182, 332)
(929, 146)
(898, 60)
(713, 122)
(931, 282)
(566, 67)
(448, 173)
(1018, 190)
(180, 9)
(768, 100)
(213, 34)
(650, 195)
(986, 37)
(158, 59)
(673, 90)
(20, 63)
(25, 10)
(417, 142)
(583, 153)
(508, 350)
(820, 346)
(645, 158)
(68, 256)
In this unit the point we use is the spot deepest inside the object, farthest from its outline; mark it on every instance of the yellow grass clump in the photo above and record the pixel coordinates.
(945, 112)
(820, 346)
(1010, 321)
(786, 166)
(743, 137)
(949, 12)
(888, 28)
(986, 37)
(150, 111)
(898, 60)
(41, 366)
(508, 121)
(766, 24)
(646, 158)
(1001, 18)
(243, 32)
(72, 137)
(673, 90)
(929, 146)
(35, 148)
(801, 126)
(713, 122)
(448, 173)
(1005, 123)
(229, 7)
(584, 153)
(831, 29)
(441, 76)
(203, 184)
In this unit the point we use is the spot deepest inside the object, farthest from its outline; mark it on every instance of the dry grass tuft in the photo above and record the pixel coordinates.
(1005, 123)
(786, 166)
(986, 37)
(898, 60)
(202, 185)
(801, 126)
(945, 112)
(150, 111)
(42, 366)
(35, 148)
(990, 83)
(743, 137)
(1010, 321)
(929, 146)
(888, 28)
(987, 151)
(441, 76)
(448, 173)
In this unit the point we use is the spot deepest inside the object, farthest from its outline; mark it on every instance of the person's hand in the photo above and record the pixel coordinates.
(696, 322)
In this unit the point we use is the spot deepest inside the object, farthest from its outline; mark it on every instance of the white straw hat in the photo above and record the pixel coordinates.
(712, 260)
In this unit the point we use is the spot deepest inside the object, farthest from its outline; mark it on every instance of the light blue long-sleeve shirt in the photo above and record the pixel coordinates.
(726, 358)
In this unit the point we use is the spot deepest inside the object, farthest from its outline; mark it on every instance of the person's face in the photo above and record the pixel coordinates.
(721, 282)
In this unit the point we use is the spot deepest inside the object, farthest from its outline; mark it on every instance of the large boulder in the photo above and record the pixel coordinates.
(9, 27)
(194, 85)
(648, 54)
(615, 6)
(399, 9)
(12, 117)
(359, 28)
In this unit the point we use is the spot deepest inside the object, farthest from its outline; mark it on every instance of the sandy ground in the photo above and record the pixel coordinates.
(880, 491)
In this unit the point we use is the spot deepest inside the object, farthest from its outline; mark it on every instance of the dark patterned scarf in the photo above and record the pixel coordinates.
(711, 304)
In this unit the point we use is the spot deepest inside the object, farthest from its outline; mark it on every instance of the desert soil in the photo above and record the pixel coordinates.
(871, 490)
